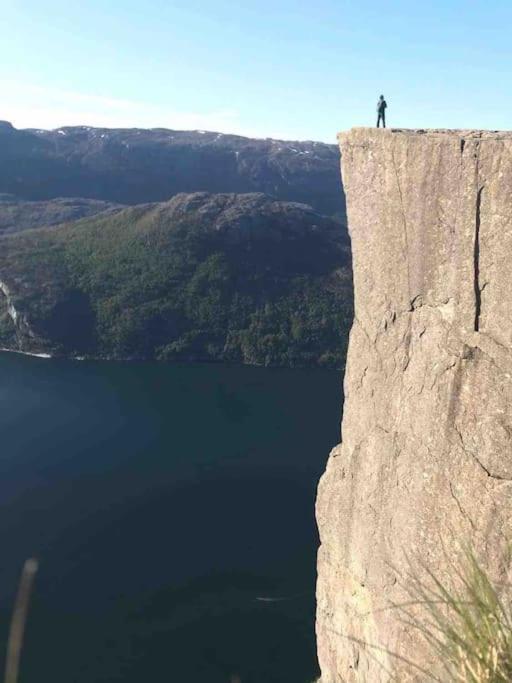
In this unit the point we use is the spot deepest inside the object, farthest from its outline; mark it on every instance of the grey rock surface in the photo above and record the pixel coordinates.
(425, 463)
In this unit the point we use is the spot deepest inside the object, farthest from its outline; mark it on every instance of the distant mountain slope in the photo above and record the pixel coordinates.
(17, 214)
(226, 277)
(132, 166)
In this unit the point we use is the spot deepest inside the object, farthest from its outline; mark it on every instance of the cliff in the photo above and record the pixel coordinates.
(425, 462)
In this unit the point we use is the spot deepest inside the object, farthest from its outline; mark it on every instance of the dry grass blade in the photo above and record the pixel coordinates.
(18, 621)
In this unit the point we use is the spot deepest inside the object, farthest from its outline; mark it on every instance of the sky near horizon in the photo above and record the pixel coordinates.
(282, 68)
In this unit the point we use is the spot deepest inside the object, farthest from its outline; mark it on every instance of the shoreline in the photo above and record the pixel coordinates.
(189, 361)
(46, 356)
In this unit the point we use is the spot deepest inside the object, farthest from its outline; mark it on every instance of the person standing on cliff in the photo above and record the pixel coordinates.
(381, 111)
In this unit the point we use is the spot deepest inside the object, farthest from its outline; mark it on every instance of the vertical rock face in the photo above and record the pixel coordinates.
(425, 462)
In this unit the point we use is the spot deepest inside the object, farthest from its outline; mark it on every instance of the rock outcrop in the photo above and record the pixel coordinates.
(425, 463)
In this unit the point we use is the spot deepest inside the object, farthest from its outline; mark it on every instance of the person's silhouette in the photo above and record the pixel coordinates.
(381, 111)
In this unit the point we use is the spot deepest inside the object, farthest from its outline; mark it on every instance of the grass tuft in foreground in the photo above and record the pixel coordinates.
(469, 628)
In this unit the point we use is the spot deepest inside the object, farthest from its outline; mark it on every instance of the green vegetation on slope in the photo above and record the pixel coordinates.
(239, 278)
(17, 214)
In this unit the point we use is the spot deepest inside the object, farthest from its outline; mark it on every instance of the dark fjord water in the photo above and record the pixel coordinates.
(163, 501)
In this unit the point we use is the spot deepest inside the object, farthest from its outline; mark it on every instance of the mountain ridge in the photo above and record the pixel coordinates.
(17, 215)
(135, 165)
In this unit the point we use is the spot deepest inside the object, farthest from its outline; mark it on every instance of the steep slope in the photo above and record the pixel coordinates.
(18, 214)
(426, 459)
(132, 166)
(242, 278)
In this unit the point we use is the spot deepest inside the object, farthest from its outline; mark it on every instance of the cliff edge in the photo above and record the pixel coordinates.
(425, 462)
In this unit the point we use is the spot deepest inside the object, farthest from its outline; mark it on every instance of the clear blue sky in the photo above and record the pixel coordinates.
(281, 68)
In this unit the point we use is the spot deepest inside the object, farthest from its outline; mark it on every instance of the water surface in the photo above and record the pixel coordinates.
(163, 502)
